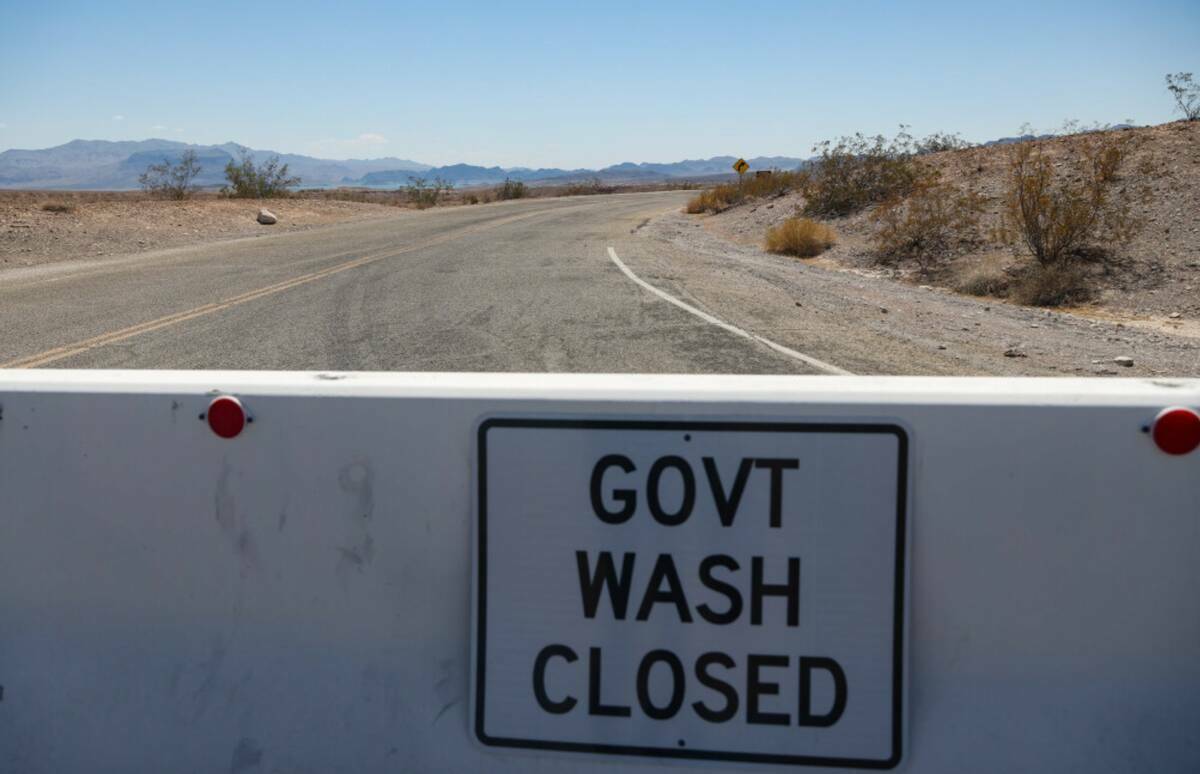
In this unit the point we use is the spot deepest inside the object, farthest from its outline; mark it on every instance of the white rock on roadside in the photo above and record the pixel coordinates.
(267, 218)
(1124, 361)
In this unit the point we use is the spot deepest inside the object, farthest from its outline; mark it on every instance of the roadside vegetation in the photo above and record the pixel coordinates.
(1065, 221)
(590, 187)
(511, 189)
(763, 185)
(933, 221)
(1064, 205)
(266, 180)
(801, 237)
(424, 193)
(172, 181)
(1186, 93)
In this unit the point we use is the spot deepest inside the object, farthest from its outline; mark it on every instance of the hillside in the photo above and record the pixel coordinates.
(1152, 280)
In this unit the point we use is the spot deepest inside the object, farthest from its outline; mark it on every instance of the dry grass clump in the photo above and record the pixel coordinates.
(983, 281)
(800, 237)
(58, 207)
(714, 200)
(722, 197)
(1052, 285)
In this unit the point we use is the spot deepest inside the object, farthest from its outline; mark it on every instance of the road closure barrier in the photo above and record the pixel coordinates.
(369, 572)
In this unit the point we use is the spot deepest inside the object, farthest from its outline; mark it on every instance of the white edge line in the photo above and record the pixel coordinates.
(820, 365)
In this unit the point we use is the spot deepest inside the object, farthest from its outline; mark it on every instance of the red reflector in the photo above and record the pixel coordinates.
(1177, 430)
(226, 416)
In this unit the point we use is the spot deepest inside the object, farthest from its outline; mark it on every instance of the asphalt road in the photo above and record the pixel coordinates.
(522, 286)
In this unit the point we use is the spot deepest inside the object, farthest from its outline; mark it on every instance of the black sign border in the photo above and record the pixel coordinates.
(701, 426)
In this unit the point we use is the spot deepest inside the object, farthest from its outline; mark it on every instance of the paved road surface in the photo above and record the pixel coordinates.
(525, 286)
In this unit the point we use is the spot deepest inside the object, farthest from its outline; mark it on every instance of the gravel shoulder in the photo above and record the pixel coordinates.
(869, 323)
(103, 225)
(1154, 281)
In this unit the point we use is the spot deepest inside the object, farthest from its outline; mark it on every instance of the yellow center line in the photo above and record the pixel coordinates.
(68, 350)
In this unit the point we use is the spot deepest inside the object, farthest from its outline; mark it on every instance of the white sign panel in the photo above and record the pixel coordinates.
(708, 590)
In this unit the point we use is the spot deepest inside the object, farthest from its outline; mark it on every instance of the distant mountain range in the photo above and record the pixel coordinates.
(105, 165)
(101, 164)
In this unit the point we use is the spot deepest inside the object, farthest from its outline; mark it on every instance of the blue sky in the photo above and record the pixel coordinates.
(577, 83)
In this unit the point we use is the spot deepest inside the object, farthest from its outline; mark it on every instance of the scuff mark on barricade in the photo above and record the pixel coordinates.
(247, 755)
(358, 480)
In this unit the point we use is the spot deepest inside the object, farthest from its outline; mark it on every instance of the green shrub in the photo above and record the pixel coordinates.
(512, 189)
(855, 172)
(59, 208)
(247, 180)
(173, 181)
(425, 193)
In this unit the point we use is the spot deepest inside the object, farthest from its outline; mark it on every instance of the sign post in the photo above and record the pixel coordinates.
(741, 167)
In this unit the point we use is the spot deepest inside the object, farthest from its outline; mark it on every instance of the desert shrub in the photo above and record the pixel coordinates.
(588, 188)
(59, 208)
(247, 180)
(1059, 218)
(470, 198)
(1052, 285)
(939, 142)
(425, 193)
(983, 282)
(1186, 93)
(512, 189)
(854, 172)
(928, 225)
(172, 181)
(800, 237)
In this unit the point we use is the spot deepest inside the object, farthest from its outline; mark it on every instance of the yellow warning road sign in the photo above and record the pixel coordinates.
(740, 166)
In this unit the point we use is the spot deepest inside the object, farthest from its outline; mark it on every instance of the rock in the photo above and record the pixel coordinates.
(1011, 352)
(1175, 315)
(267, 218)
(883, 310)
(1124, 361)
(941, 346)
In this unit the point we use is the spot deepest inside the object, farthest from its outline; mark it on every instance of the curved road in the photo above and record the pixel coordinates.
(531, 286)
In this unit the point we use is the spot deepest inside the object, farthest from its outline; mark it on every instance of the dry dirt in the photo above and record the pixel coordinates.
(1153, 282)
(100, 224)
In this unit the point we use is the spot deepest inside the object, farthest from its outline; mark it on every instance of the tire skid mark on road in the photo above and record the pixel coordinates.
(68, 350)
(820, 365)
